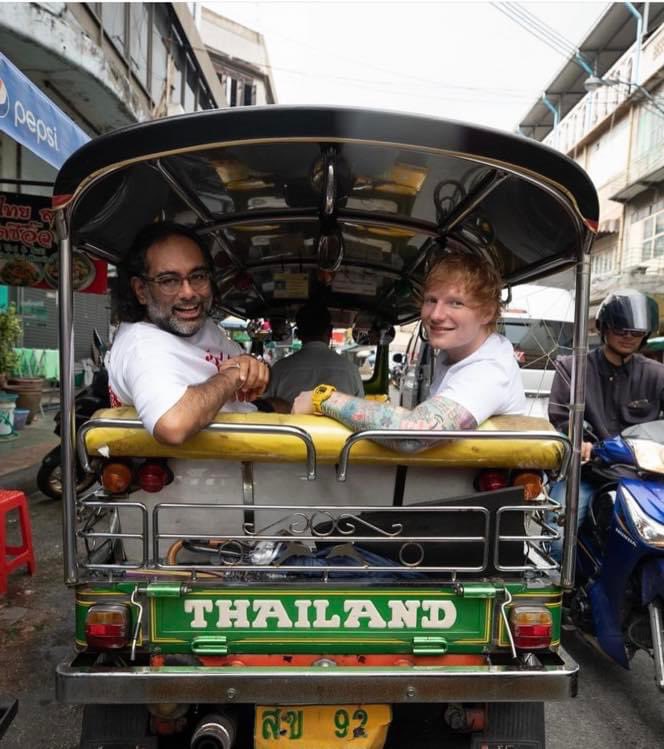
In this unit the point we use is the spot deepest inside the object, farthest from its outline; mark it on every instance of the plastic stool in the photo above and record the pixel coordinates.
(12, 557)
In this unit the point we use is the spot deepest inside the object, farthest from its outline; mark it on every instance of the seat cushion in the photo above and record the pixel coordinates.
(329, 437)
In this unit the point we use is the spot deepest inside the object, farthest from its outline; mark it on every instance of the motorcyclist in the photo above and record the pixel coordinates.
(623, 387)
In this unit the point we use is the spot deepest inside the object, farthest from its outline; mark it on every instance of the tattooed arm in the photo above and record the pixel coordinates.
(358, 414)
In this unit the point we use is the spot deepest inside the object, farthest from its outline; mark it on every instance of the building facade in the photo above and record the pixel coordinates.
(108, 65)
(610, 120)
(239, 57)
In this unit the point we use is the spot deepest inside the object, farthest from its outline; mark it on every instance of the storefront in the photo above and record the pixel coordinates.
(28, 248)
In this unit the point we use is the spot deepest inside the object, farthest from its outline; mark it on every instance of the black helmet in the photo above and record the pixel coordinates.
(628, 309)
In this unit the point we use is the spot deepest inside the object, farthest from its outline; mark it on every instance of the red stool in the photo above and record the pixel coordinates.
(12, 557)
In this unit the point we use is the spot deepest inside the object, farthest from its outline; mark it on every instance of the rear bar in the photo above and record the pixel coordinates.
(82, 683)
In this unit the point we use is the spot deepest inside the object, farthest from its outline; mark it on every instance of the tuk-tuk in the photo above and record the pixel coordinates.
(278, 580)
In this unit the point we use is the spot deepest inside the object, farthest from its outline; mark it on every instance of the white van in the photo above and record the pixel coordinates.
(538, 320)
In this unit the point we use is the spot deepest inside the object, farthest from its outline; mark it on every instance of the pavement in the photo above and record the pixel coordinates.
(36, 614)
(29, 447)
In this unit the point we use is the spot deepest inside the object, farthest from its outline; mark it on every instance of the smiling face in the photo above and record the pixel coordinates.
(453, 319)
(185, 312)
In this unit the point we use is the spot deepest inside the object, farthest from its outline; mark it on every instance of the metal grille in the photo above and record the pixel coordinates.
(265, 541)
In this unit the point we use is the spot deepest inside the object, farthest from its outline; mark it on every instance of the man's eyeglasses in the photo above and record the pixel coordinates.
(170, 283)
(629, 332)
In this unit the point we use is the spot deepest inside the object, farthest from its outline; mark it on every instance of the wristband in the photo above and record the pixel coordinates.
(320, 394)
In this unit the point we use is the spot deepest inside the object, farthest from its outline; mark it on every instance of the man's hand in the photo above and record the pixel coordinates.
(252, 375)
(242, 377)
(304, 403)
(586, 450)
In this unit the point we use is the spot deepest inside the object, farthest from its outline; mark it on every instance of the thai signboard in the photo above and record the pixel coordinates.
(32, 119)
(29, 251)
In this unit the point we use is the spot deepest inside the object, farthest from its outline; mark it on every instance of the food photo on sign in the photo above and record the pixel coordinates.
(29, 250)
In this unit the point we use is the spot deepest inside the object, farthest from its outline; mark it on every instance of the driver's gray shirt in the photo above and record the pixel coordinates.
(616, 397)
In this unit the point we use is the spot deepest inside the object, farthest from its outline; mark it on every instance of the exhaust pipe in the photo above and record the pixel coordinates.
(215, 731)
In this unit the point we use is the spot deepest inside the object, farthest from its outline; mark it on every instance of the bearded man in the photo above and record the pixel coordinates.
(169, 359)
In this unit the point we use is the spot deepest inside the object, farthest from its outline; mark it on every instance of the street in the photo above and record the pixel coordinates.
(615, 708)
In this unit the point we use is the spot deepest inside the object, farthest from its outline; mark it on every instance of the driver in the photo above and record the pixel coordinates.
(169, 359)
(476, 374)
(315, 362)
(623, 387)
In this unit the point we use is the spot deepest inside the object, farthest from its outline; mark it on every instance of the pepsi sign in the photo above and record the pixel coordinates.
(29, 117)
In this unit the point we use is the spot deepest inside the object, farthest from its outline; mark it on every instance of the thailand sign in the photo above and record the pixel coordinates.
(32, 119)
(29, 251)
(296, 620)
(320, 613)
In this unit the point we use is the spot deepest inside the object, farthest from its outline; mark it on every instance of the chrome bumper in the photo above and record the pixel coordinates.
(80, 684)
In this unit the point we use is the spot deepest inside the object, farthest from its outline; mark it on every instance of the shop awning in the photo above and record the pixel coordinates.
(29, 117)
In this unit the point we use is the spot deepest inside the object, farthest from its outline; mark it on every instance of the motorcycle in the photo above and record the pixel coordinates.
(620, 548)
(87, 401)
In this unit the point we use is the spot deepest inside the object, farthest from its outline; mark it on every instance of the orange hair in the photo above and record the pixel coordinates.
(480, 279)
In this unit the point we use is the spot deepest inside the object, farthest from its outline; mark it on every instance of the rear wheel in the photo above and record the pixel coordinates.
(49, 476)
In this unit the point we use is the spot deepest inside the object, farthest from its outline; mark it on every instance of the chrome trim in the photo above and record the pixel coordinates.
(117, 534)
(68, 426)
(93, 684)
(330, 186)
(531, 541)
(577, 409)
(486, 186)
(139, 623)
(440, 436)
(655, 611)
(283, 430)
(111, 257)
(506, 621)
(301, 525)
(248, 489)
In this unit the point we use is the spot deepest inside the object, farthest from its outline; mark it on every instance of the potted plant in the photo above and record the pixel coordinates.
(11, 332)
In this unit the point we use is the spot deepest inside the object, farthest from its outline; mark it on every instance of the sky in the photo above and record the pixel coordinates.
(456, 60)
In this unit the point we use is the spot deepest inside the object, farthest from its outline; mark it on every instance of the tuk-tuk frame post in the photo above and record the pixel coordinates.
(577, 408)
(67, 445)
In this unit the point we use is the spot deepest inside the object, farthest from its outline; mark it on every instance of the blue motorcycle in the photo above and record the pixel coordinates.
(620, 553)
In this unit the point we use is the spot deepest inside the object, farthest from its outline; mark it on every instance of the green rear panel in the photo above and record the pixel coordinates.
(321, 620)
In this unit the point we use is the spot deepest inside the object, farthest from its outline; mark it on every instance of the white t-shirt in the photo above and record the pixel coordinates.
(486, 383)
(315, 364)
(150, 369)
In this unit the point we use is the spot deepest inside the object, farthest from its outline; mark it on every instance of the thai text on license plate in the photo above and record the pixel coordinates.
(322, 726)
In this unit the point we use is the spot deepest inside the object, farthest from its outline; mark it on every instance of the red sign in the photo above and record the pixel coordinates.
(29, 250)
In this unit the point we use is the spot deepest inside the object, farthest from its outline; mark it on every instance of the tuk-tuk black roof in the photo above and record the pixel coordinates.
(354, 202)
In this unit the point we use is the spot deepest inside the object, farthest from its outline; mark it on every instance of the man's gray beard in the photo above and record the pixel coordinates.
(171, 324)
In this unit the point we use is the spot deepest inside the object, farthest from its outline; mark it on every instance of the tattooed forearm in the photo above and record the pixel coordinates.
(435, 413)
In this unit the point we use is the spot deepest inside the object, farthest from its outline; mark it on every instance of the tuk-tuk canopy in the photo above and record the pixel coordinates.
(344, 205)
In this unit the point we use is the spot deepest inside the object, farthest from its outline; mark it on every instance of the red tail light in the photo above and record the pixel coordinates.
(531, 626)
(153, 477)
(489, 481)
(107, 626)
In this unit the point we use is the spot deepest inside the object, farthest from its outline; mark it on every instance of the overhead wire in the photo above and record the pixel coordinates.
(545, 39)
(536, 22)
(537, 28)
